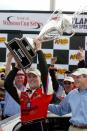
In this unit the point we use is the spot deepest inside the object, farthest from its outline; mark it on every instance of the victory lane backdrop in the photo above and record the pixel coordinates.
(29, 24)
(64, 49)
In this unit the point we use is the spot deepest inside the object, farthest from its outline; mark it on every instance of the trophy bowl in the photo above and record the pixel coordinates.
(56, 26)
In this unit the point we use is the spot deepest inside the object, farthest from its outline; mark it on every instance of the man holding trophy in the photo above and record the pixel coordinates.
(33, 102)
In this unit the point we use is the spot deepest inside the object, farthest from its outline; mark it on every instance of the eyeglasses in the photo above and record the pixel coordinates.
(67, 83)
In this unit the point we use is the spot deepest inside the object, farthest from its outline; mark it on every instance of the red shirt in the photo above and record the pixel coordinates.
(34, 107)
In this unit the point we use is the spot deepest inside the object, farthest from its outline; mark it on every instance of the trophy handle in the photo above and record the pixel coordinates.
(73, 33)
(80, 10)
(55, 15)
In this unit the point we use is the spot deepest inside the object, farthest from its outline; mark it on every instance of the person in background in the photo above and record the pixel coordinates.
(39, 84)
(11, 107)
(81, 57)
(2, 90)
(57, 86)
(75, 102)
(67, 73)
(60, 90)
(68, 84)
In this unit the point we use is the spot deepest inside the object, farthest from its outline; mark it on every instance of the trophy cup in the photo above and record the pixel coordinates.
(59, 24)
(56, 26)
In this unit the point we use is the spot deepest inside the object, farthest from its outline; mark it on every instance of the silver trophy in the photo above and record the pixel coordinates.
(58, 25)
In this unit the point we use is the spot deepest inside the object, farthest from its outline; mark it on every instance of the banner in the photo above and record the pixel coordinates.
(80, 24)
(27, 21)
(23, 21)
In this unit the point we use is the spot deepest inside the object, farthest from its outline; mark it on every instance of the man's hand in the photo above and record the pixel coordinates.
(37, 44)
(9, 56)
(80, 54)
(53, 60)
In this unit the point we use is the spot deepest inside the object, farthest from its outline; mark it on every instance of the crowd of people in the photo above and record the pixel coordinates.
(22, 91)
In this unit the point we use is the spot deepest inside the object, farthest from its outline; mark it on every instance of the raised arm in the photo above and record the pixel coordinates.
(80, 55)
(8, 63)
(52, 71)
(9, 84)
(42, 63)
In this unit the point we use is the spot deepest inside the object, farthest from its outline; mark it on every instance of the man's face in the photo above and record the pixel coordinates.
(82, 80)
(76, 82)
(33, 80)
(68, 86)
(19, 79)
